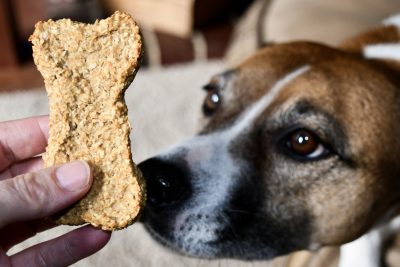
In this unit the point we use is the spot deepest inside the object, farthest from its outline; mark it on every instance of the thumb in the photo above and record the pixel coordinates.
(43, 193)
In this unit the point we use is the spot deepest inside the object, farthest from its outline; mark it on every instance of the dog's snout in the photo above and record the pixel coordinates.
(166, 182)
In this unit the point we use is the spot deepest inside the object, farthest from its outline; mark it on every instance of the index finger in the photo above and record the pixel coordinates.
(22, 139)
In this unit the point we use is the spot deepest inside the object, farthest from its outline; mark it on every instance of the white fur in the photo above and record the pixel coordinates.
(390, 51)
(393, 20)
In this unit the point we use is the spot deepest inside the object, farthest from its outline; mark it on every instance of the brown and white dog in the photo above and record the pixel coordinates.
(301, 150)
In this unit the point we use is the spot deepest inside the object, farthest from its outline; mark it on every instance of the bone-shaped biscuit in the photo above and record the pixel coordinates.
(86, 69)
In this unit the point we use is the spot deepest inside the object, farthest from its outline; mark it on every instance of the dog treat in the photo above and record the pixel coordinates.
(86, 69)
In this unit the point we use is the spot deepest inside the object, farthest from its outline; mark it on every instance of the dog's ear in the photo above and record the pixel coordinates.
(382, 43)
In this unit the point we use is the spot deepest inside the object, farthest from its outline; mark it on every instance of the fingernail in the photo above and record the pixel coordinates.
(73, 176)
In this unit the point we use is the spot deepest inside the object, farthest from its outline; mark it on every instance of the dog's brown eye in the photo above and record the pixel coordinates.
(211, 102)
(305, 144)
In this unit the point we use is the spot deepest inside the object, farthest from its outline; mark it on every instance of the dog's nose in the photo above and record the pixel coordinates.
(166, 182)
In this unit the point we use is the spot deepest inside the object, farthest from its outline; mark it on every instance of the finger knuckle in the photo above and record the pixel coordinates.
(31, 191)
(69, 247)
(7, 152)
(40, 259)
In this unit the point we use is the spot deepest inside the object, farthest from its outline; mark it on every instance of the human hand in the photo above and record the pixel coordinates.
(29, 193)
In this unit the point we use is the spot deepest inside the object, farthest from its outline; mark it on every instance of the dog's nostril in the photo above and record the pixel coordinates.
(166, 183)
(164, 190)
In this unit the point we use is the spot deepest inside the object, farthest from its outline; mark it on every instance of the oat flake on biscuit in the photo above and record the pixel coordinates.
(86, 69)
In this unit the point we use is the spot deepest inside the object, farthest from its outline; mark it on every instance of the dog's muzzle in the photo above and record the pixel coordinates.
(204, 202)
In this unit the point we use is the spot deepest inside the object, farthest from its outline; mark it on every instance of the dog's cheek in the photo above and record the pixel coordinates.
(343, 207)
(264, 220)
(288, 222)
(289, 219)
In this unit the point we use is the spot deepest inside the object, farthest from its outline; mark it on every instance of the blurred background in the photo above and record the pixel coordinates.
(175, 31)
(183, 31)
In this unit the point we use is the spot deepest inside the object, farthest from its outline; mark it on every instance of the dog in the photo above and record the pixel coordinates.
(300, 150)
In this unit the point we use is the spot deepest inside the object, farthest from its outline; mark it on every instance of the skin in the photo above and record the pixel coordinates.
(30, 193)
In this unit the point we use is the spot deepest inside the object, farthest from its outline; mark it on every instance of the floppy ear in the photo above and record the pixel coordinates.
(382, 43)
(379, 43)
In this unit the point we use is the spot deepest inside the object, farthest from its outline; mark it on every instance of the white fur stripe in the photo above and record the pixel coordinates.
(255, 110)
(393, 20)
(383, 51)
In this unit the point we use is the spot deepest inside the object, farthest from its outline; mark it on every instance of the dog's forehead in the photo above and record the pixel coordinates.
(334, 79)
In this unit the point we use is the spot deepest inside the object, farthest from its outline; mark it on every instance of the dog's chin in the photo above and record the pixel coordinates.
(192, 250)
(213, 249)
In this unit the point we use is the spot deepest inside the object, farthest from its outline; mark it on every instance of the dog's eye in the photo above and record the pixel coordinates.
(305, 144)
(211, 102)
